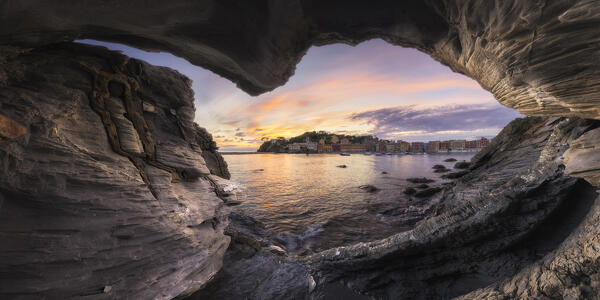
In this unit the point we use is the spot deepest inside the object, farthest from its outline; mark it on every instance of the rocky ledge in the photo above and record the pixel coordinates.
(107, 187)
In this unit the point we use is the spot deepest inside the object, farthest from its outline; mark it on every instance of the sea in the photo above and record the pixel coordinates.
(314, 202)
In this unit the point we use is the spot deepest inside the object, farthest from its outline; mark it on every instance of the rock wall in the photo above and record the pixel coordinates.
(538, 57)
(104, 191)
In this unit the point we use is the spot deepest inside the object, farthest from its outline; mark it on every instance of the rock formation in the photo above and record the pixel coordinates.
(109, 190)
(538, 57)
(103, 187)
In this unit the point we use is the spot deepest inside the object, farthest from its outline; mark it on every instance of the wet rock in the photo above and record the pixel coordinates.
(409, 191)
(441, 170)
(450, 160)
(384, 172)
(462, 165)
(515, 213)
(342, 166)
(420, 180)
(455, 175)
(428, 192)
(436, 167)
(422, 186)
(369, 188)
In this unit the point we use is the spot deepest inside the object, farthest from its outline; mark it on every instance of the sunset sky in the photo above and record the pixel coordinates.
(373, 88)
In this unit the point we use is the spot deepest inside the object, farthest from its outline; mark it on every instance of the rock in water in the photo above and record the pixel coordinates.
(462, 165)
(369, 188)
(117, 199)
(420, 180)
(450, 159)
(342, 166)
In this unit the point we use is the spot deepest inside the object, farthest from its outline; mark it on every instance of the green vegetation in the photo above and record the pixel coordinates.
(280, 144)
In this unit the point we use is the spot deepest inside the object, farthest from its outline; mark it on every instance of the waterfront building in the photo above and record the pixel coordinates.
(457, 145)
(335, 139)
(444, 146)
(433, 146)
(353, 147)
(403, 146)
(417, 147)
(380, 146)
(307, 146)
(484, 142)
(391, 147)
(345, 141)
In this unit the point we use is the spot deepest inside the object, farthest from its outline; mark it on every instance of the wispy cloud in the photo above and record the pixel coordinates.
(447, 119)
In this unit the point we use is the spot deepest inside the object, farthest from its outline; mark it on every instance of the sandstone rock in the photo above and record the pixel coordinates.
(10, 129)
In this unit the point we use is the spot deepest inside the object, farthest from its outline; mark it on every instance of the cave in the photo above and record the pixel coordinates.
(108, 189)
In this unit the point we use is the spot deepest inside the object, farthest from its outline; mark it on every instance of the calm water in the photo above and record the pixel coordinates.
(310, 204)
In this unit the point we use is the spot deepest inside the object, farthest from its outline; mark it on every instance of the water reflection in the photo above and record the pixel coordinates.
(311, 203)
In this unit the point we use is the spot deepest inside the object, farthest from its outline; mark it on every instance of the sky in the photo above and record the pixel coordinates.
(373, 88)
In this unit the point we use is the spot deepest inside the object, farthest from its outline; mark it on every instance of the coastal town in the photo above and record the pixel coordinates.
(323, 142)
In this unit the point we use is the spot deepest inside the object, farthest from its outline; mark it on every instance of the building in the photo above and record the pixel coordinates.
(484, 142)
(380, 146)
(345, 141)
(402, 146)
(444, 146)
(417, 147)
(433, 146)
(353, 147)
(335, 139)
(473, 144)
(307, 146)
(457, 145)
(391, 147)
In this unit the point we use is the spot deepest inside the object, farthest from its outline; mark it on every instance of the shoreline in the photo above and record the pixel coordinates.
(383, 154)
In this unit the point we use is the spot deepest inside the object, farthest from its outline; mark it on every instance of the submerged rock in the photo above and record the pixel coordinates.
(342, 166)
(369, 188)
(420, 180)
(422, 186)
(462, 165)
(450, 159)
(437, 167)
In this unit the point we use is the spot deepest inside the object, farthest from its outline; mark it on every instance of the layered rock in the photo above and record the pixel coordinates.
(516, 226)
(538, 57)
(104, 191)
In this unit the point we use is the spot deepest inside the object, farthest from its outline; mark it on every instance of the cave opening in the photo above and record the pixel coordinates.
(373, 95)
(108, 188)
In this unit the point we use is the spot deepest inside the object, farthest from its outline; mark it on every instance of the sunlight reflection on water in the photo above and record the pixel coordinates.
(307, 201)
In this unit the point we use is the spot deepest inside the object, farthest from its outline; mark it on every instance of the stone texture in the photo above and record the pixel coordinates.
(538, 57)
(91, 206)
(514, 214)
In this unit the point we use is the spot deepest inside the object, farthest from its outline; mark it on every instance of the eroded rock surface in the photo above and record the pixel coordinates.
(515, 216)
(538, 57)
(101, 196)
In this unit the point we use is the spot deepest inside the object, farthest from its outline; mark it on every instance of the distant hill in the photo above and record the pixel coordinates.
(280, 144)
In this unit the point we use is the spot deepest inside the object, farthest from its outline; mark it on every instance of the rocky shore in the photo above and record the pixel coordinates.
(108, 190)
